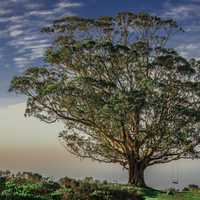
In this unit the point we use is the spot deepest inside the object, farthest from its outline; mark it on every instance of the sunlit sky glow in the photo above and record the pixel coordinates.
(24, 143)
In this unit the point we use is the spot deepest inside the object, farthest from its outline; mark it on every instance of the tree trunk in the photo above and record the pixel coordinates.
(136, 174)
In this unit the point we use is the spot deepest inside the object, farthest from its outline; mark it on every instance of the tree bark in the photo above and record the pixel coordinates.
(136, 174)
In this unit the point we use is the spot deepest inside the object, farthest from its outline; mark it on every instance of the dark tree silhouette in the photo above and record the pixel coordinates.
(123, 96)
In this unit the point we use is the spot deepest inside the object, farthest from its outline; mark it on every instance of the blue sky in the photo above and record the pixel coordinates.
(22, 45)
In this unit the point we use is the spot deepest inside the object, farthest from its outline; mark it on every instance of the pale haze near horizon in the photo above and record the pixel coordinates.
(28, 144)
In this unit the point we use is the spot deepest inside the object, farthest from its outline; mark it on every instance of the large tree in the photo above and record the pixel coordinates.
(123, 96)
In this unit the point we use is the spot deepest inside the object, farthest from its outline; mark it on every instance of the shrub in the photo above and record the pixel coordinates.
(193, 186)
(20, 187)
(186, 189)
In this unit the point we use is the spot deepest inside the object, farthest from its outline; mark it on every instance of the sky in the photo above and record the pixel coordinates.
(22, 44)
(26, 143)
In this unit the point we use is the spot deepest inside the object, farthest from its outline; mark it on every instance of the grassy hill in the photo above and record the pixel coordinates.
(192, 195)
(25, 186)
(151, 194)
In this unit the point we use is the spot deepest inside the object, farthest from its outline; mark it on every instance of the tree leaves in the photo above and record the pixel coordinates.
(120, 93)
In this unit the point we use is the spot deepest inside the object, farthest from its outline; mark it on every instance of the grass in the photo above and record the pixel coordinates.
(151, 194)
(189, 195)
(179, 196)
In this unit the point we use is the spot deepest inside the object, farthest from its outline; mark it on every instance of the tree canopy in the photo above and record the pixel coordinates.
(123, 95)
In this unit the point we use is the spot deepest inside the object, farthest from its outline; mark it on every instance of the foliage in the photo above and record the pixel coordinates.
(86, 189)
(16, 187)
(123, 96)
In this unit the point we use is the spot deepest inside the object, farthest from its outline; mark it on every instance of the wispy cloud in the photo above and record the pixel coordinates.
(20, 32)
(187, 14)
(182, 11)
(189, 50)
(63, 5)
(40, 12)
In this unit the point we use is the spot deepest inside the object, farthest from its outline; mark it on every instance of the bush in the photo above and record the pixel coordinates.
(186, 189)
(29, 186)
(193, 186)
(2, 183)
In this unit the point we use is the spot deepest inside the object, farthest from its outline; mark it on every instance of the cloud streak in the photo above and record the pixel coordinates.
(20, 32)
(183, 12)
(187, 15)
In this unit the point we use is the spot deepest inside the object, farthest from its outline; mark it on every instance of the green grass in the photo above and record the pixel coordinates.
(179, 196)
(189, 195)
(151, 194)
